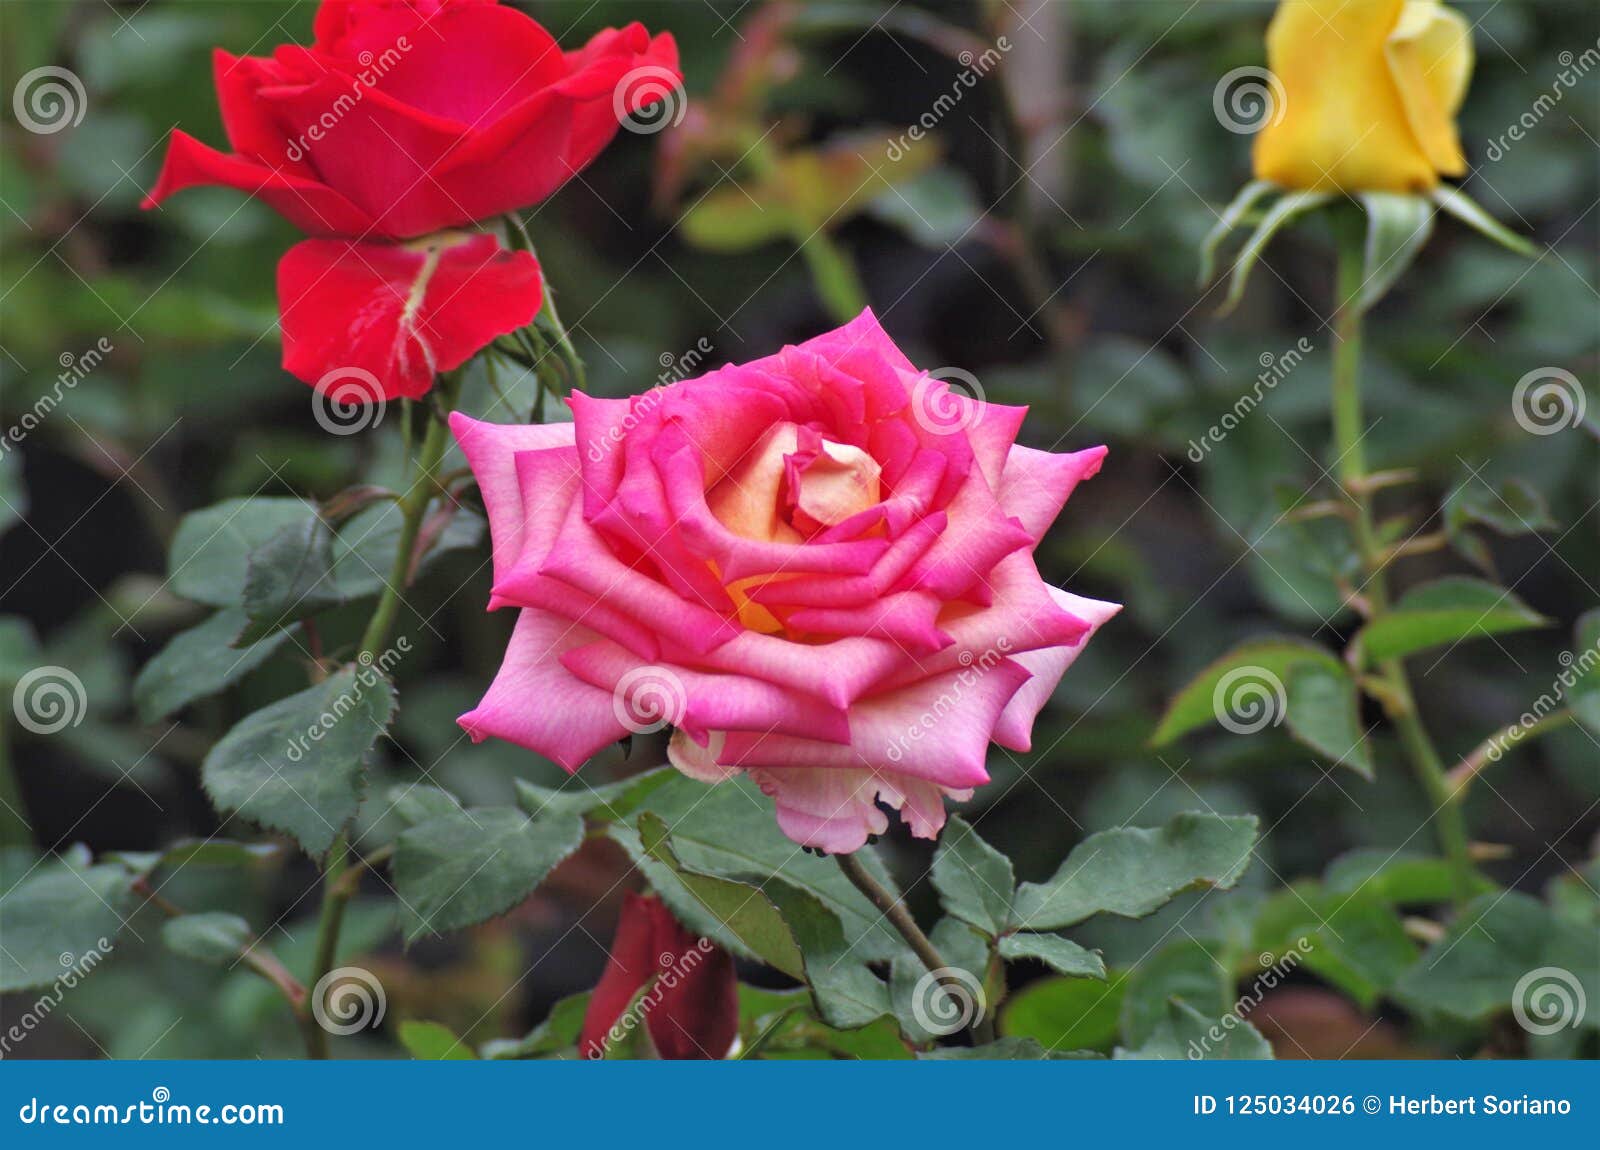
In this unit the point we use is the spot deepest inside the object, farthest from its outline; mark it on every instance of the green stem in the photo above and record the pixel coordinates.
(336, 892)
(900, 918)
(1348, 428)
(1497, 745)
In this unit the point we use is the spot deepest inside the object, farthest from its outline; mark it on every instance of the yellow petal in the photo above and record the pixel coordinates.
(1343, 125)
(1430, 57)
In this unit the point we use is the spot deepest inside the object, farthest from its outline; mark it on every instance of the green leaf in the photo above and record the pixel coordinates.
(433, 1042)
(931, 1007)
(467, 866)
(1514, 508)
(211, 548)
(289, 577)
(1464, 208)
(1133, 871)
(936, 209)
(1279, 214)
(728, 830)
(1066, 1013)
(1584, 696)
(415, 803)
(1354, 940)
(363, 551)
(1185, 1033)
(1060, 954)
(559, 1031)
(214, 936)
(610, 801)
(1398, 879)
(974, 881)
(1249, 677)
(1508, 949)
(1447, 610)
(59, 915)
(198, 663)
(1006, 1049)
(1398, 227)
(743, 911)
(298, 765)
(1324, 714)
(1183, 969)
(1231, 217)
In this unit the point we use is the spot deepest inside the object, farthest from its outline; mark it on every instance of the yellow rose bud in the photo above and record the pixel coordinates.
(1369, 90)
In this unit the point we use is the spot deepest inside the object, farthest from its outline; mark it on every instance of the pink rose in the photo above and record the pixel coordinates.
(818, 567)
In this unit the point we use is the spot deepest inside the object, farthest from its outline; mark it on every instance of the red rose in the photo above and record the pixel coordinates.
(691, 1011)
(404, 118)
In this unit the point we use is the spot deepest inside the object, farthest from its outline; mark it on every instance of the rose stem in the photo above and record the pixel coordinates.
(900, 918)
(1348, 428)
(336, 894)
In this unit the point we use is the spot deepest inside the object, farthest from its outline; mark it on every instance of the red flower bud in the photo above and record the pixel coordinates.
(692, 1008)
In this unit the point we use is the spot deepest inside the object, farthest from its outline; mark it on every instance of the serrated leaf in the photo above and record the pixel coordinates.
(415, 803)
(298, 765)
(214, 936)
(1464, 208)
(610, 801)
(288, 577)
(1447, 610)
(742, 910)
(1213, 691)
(198, 663)
(58, 915)
(1398, 227)
(1279, 214)
(1133, 871)
(1060, 954)
(1478, 969)
(363, 551)
(1183, 968)
(433, 1042)
(467, 866)
(1231, 217)
(211, 548)
(929, 1007)
(1185, 1033)
(1514, 508)
(974, 881)
(1324, 714)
